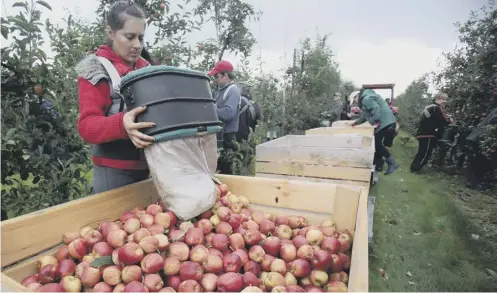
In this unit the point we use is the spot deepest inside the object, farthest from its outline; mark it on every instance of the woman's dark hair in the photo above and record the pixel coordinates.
(116, 17)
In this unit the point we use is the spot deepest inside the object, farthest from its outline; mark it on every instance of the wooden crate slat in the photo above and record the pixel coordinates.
(30, 234)
(328, 141)
(342, 157)
(298, 169)
(359, 263)
(298, 195)
(313, 179)
(340, 130)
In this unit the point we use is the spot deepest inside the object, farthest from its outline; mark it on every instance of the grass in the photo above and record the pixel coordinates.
(430, 233)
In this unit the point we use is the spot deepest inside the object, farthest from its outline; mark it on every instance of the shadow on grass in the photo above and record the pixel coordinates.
(424, 234)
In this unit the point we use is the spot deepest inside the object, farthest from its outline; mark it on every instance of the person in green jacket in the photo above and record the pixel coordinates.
(376, 111)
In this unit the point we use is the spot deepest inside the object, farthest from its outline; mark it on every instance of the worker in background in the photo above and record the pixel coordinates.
(250, 113)
(431, 127)
(336, 108)
(103, 120)
(376, 111)
(479, 164)
(227, 99)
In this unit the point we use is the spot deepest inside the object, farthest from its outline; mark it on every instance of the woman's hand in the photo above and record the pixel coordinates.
(139, 139)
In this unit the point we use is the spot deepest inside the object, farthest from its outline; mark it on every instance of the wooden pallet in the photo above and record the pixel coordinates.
(26, 238)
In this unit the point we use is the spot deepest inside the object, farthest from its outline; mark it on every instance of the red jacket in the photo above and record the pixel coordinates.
(94, 101)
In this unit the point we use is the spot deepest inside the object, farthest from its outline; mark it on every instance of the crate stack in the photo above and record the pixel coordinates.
(339, 154)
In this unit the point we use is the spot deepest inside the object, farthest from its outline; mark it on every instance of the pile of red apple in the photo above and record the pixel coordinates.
(226, 249)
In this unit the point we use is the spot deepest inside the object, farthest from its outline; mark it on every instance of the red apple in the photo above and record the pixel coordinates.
(112, 275)
(345, 260)
(250, 279)
(283, 232)
(135, 286)
(47, 260)
(80, 268)
(149, 244)
(224, 228)
(66, 267)
(130, 253)
(77, 249)
(235, 221)
(209, 282)
(232, 263)
(279, 266)
(318, 278)
(163, 242)
(336, 286)
(117, 238)
(173, 282)
(69, 237)
(131, 273)
(272, 245)
(314, 237)
(194, 236)
(171, 266)
(179, 250)
(90, 277)
(46, 274)
(152, 263)
(305, 252)
(274, 279)
(140, 234)
(205, 225)
(153, 282)
(190, 270)
(257, 253)
(154, 209)
(331, 245)
(299, 268)
(321, 260)
(132, 225)
(288, 252)
(223, 213)
(102, 287)
(236, 241)
(242, 253)
(213, 264)
(336, 264)
(62, 253)
(252, 267)
(267, 227)
(101, 249)
(252, 237)
(220, 242)
(126, 216)
(52, 287)
(266, 262)
(250, 224)
(230, 282)
(71, 284)
(189, 286)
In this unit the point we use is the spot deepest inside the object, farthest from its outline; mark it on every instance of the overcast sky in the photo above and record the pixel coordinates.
(375, 41)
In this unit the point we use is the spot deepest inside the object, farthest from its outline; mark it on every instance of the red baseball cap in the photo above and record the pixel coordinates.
(221, 66)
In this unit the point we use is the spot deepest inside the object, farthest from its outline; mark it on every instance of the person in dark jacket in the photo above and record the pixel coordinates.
(250, 113)
(480, 165)
(227, 102)
(336, 108)
(431, 126)
(375, 110)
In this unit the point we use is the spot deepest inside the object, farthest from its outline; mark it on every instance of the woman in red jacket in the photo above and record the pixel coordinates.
(103, 121)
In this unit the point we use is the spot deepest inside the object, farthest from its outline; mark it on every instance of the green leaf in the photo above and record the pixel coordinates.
(10, 142)
(5, 32)
(102, 261)
(25, 157)
(20, 4)
(45, 4)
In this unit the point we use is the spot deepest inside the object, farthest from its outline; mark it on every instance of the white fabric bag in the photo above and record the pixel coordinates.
(182, 171)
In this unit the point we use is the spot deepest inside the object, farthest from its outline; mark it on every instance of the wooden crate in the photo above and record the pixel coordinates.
(335, 158)
(26, 238)
(341, 127)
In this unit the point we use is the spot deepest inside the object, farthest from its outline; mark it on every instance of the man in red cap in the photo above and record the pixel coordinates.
(228, 102)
